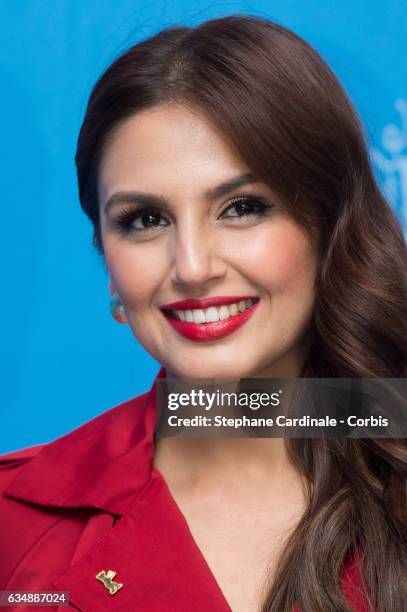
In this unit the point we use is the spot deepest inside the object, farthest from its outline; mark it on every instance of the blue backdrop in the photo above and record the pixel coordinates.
(63, 359)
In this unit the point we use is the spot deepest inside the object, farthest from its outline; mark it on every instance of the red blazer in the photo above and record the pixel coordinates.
(93, 501)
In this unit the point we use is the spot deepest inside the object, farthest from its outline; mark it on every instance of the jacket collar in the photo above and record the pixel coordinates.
(101, 464)
(155, 557)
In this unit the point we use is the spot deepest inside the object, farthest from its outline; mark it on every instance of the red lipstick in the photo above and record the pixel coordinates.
(204, 332)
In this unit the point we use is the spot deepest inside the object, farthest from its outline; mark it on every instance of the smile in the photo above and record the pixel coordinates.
(204, 324)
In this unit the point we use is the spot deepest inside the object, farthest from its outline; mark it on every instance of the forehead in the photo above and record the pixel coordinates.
(167, 146)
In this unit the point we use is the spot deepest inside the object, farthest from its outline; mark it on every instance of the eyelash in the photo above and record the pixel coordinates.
(123, 222)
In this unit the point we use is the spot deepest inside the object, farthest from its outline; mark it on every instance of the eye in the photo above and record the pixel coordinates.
(248, 205)
(144, 220)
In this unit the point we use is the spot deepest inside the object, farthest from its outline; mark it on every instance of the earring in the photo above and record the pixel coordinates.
(116, 308)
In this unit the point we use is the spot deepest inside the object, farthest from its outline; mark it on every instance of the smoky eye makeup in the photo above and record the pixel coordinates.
(131, 219)
(140, 220)
(247, 206)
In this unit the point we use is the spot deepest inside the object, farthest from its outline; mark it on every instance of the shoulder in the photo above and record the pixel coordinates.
(352, 581)
(129, 408)
(85, 466)
(11, 462)
(19, 456)
(123, 412)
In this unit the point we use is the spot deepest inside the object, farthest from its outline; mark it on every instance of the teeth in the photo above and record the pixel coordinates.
(224, 312)
(199, 316)
(213, 313)
(241, 306)
(233, 309)
(189, 317)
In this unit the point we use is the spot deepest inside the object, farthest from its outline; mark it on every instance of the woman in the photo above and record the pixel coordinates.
(226, 175)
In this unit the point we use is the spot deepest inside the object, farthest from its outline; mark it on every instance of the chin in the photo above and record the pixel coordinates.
(223, 371)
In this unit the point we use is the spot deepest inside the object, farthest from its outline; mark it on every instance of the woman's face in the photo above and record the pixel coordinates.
(182, 218)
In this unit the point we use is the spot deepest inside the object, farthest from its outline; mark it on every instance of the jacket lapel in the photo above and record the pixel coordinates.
(154, 557)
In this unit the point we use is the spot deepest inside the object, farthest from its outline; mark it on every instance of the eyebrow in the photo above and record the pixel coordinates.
(149, 199)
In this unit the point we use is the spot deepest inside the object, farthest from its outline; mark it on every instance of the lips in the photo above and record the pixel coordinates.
(203, 332)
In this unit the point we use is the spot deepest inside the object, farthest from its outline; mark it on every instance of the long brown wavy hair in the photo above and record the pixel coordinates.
(282, 109)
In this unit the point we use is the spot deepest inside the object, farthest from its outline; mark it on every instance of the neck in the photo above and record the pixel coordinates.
(208, 462)
(212, 463)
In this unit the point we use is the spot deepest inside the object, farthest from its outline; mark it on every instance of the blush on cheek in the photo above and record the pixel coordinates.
(136, 273)
(281, 256)
(299, 270)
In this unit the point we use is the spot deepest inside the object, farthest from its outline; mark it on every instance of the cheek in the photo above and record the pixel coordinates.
(135, 272)
(282, 260)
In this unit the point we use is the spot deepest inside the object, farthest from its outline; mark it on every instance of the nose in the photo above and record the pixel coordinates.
(196, 256)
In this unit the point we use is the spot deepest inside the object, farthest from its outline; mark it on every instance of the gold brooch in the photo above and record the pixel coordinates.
(106, 578)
